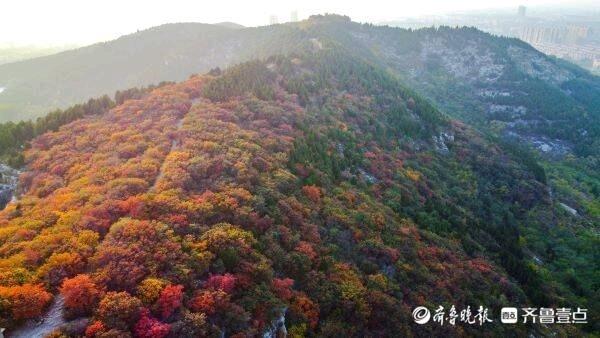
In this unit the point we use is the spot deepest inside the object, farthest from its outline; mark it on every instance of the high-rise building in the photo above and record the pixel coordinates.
(294, 16)
(522, 11)
(273, 20)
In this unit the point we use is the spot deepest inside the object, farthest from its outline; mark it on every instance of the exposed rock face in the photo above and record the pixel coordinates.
(507, 111)
(476, 62)
(277, 328)
(554, 147)
(8, 183)
(441, 141)
(488, 81)
(537, 65)
(569, 209)
(471, 63)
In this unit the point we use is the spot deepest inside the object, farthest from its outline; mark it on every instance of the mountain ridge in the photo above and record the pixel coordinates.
(508, 102)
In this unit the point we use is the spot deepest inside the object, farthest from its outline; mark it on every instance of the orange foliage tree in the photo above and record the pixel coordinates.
(24, 301)
(80, 293)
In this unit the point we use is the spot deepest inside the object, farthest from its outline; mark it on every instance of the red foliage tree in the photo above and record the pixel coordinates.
(170, 300)
(149, 327)
(306, 249)
(209, 302)
(283, 288)
(225, 283)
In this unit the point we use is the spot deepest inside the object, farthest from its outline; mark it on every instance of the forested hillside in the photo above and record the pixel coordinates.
(471, 74)
(518, 96)
(314, 190)
(16, 137)
(166, 53)
(497, 82)
(502, 86)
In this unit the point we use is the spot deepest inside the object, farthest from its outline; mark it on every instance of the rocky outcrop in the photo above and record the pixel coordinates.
(8, 183)
(277, 328)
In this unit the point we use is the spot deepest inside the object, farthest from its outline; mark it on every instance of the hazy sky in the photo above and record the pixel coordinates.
(88, 21)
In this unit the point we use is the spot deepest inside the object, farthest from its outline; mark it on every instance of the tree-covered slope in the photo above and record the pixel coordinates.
(496, 82)
(469, 74)
(165, 53)
(502, 86)
(315, 188)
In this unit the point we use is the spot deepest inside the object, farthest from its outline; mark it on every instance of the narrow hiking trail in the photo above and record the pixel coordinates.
(50, 321)
(174, 146)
